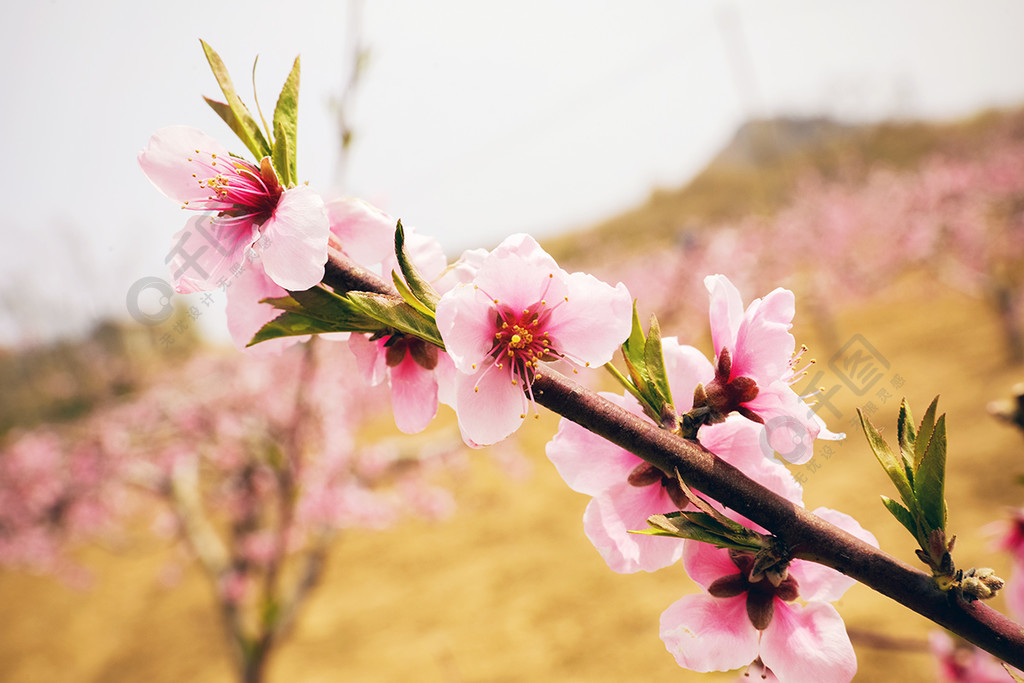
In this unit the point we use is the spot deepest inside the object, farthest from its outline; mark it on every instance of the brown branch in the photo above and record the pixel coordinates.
(808, 537)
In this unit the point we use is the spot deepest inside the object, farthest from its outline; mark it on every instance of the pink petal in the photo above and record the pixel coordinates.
(370, 358)
(495, 411)
(445, 374)
(465, 319)
(413, 395)
(818, 582)
(294, 240)
(519, 274)
(742, 444)
(808, 644)
(207, 254)
(623, 508)
(589, 463)
(726, 312)
(764, 346)
(686, 367)
(594, 320)
(790, 424)
(366, 233)
(705, 563)
(246, 315)
(165, 161)
(710, 634)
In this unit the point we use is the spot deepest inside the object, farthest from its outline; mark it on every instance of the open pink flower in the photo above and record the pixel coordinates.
(521, 309)
(410, 365)
(756, 367)
(246, 213)
(626, 490)
(736, 620)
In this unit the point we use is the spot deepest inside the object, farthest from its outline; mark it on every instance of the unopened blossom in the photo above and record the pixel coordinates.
(245, 214)
(756, 366)
(627, 490)
(520, 310)
(741, 618)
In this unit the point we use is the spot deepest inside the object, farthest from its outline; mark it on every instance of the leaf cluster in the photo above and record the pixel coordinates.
(648, 380)
(918, 472)
(279, 144)
(320, 310)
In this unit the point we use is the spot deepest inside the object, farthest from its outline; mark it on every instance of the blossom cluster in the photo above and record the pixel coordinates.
(500, 316)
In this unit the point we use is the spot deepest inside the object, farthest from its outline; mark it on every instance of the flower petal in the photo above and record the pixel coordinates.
(808, 644)
(246, 315)
(366, 233)
(686, 367)
(519, 273)
(489, 415)
(726, 312)
(413, 395)
(369, 357)
(705, 563)
(623, 508)
(294, 241)
(165, 161)
(593, 321)
(208, 253)
(465, 319)
(709, 634)
(589, 463)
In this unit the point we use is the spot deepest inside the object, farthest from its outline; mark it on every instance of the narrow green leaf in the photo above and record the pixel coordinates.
(290, 324)
(924, 433)
(681, 527)
(654, 361)
(409, 297)
(1013, 675)
(633, 349)
(418, 285)
(241, 121)
(902, 515)
(395, 313)
(286, 116)
(929, 482)
(907, 436)
(892, 466)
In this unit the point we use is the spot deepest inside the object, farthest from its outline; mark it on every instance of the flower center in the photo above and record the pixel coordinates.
(520, 340)
(237, 188)
(761, 593)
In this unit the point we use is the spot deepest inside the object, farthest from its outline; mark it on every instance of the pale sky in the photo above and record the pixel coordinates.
(474, 119)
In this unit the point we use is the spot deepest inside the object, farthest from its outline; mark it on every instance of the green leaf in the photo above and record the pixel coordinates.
(290, 324)
(892, 466)
(654, 362)
(1010, 671)
(679, 525)
(924, 433)
(633, 349)
(929, 481)
(234, 112)
(907, 436)
(286, 115)
(901, 514)
(409, 297)
(314, 311)
(418, 285)
(397, 314)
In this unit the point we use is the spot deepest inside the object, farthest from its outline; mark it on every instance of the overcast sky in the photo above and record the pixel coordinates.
(474, 119)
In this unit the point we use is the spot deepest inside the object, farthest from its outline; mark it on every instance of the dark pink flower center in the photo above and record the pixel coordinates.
(237, 188)
(761, 594)
(646, 474)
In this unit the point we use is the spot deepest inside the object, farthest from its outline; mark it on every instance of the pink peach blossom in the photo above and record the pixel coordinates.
(756, 367)
(522, 309)
(737, 621)
(626, 490)
(246, 213)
